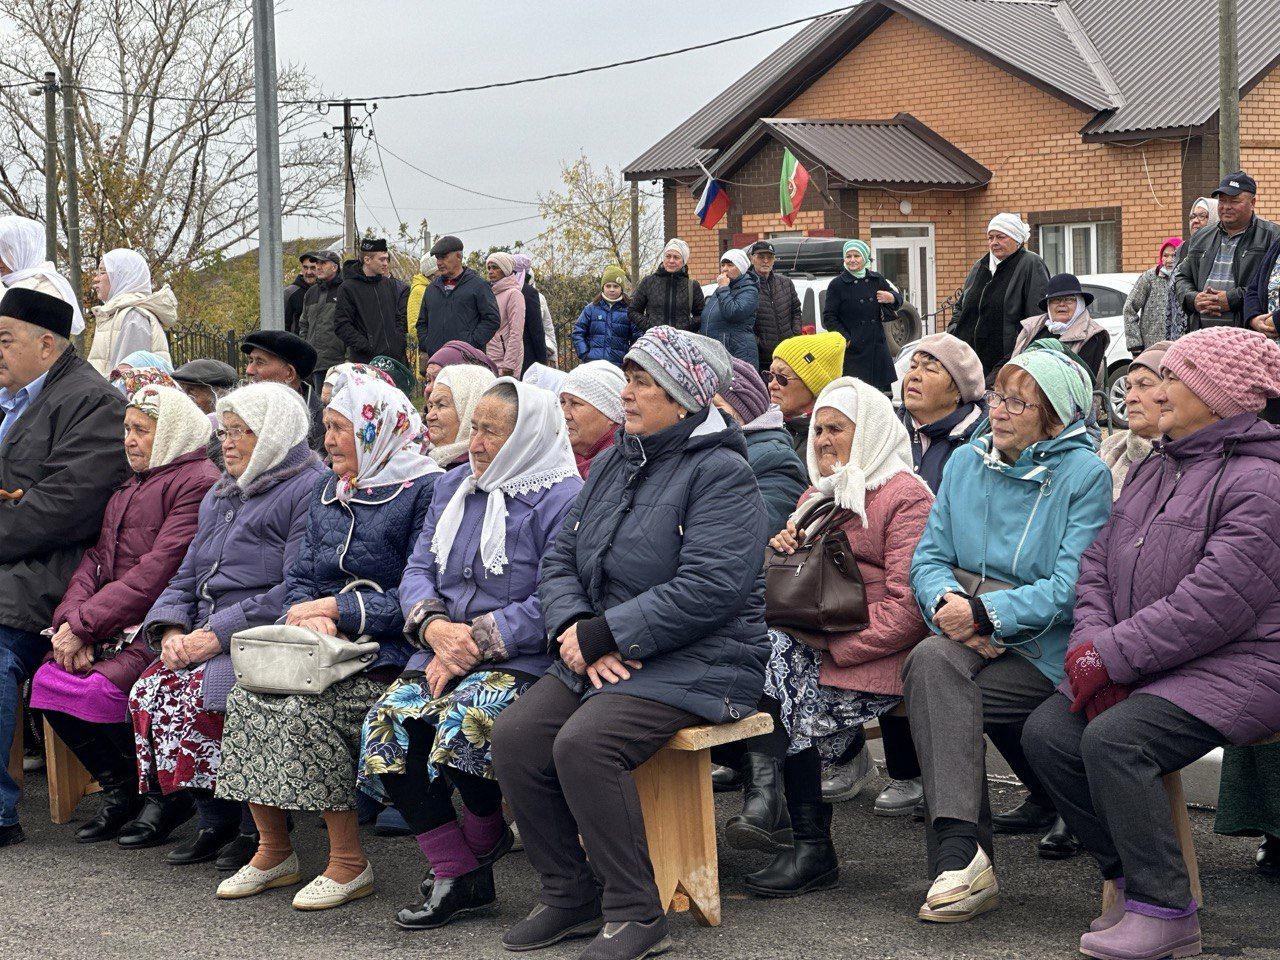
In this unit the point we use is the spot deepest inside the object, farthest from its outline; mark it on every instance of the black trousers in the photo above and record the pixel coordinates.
(105, 749)
(427, 803)
(565, 767)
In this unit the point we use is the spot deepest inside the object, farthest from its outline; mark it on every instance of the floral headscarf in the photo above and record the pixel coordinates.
(388, 434)
(337, 371)
(131, 381)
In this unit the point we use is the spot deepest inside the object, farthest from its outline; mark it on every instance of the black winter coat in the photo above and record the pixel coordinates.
(990, 310)
(1192, 274)
(853, 312)
(1256, 298)
(468, 313)
(317, 325)
(778, 314)
(534, 339)
(370, 317)
(66, 455)
(666, 298)
(293, 295)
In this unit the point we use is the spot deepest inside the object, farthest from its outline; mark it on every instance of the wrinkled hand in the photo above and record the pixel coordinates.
(453, 645)
(82, 660)
(786, 541)
(1212, 302)
(437, 676)
(1086, 674)
(884, 296)
(323, 625)
(610, 668)
(188, 650)
(66, 646)
(1263, 323)
(984, 646)
(955, 617)
(324, 607)
(1106, 698)
(570, 652)
(722, 280)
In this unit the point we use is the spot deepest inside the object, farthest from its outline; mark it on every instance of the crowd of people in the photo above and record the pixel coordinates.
(521, 594)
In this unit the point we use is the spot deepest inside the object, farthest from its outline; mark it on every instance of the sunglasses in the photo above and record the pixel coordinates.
(783, 380)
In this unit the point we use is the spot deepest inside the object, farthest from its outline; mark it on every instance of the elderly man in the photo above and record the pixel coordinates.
(295, 291)
(1002, 289)
(204, 381)
(370, 307)
(591, 399)
(459, 304)
(276, 356)
(61, 458)
(317, 324)
(778, 315)
(1209, 283)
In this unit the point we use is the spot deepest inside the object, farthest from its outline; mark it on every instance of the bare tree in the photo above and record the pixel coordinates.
(164, 123)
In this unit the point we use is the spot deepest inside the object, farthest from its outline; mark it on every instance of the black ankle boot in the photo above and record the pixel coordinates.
(810, 865)
(450, 898)
(764, 823)
(160, 816)
(119, 803)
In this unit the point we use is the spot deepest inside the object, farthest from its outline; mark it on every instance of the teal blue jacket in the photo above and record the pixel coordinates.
(1027, 524)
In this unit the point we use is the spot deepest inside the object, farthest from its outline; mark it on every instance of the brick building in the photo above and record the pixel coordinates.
(920, 119)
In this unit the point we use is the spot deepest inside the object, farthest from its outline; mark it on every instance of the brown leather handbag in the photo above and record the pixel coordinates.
(818, 588)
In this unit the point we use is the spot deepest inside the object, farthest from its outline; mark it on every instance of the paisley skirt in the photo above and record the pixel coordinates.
(179, 742)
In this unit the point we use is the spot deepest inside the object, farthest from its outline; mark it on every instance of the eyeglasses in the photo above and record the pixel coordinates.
(783, 380)
(232, 433)
(1015, 406)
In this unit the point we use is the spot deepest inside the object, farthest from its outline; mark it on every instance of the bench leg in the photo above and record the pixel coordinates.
(68, 779)
(1182, 827)
(679, 820)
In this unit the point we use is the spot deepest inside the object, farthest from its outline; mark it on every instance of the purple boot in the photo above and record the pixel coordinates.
(1139, 936)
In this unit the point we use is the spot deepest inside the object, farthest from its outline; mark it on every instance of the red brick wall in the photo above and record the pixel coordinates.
(1260, 142)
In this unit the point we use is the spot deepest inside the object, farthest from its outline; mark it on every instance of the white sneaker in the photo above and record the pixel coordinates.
(965, 909)
(953, 886)
(846, 782)
(324, 893)
(249, 880)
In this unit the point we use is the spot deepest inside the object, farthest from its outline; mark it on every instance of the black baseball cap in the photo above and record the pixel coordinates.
(309, 255)
(761, 246)
(328, 256)
(1234, 184)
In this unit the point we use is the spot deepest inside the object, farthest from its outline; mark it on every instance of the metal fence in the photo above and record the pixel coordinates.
(200, 343)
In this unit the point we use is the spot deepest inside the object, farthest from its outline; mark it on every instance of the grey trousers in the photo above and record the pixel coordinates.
(565, 765)
(1104, 777)
(954, 696)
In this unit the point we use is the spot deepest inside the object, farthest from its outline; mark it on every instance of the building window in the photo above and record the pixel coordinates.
(1081, 248)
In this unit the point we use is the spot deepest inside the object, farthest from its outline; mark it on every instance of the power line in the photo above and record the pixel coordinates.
(383, 169)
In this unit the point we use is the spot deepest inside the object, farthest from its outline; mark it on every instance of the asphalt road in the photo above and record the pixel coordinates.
(65, 900)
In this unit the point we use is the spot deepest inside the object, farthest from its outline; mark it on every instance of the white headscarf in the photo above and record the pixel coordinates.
(467, 382)
(387, 429)
(536, 456)
(181, 426)
(1060, 328)
(22, 250)
(278, 417)
(1211, 207)
(548, 378)
(127, 271)
(881, 447)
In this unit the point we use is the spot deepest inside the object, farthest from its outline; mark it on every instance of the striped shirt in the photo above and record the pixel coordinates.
(1220, 277)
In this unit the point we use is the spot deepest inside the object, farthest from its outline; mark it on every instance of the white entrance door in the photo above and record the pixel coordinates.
(904, 254)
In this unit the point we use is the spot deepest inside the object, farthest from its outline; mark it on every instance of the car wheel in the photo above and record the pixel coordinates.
(903, 328)
(1117, 385)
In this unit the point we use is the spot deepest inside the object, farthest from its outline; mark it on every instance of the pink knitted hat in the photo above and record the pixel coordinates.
(1232, 370)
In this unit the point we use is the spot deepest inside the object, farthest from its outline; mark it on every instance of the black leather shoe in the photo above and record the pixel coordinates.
(11, 834)
(1026, 817)
(236, 852)
(725, 779)
(1059, 843)
(810, 865)
(764, 823)
(546, 925)
(118, 805)
(206, 845)
(160, 816)
(450, 898)
(500, 850)
(1268, 856)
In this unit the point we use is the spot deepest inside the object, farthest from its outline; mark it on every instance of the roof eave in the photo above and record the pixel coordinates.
(643, 175)
(1132, 136)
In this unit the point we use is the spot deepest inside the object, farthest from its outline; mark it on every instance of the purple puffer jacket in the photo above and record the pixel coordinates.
(147, 527)
(1179, 593)
(233, 576)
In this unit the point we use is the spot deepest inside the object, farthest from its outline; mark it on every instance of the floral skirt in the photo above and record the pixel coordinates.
(296, 752)
(463, 719)
(179, 742)
(816, 715)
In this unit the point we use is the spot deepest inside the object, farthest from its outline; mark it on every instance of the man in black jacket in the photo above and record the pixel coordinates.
(317, 325)
(371, 305)
(1209, 283)
(458, 305)
(778, 315)
(294, 292)
(61, 458)
(1002, 289)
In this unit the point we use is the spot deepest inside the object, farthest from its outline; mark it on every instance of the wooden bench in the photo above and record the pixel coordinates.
(69, 781)
(680, 815)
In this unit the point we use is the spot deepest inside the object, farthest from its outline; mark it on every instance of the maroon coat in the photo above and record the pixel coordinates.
(148, 525)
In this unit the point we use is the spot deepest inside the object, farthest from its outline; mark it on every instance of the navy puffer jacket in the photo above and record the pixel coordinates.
(369, 538)
(604, 331)
(666, 543)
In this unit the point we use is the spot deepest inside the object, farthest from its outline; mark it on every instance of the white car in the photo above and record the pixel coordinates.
(1110, 290)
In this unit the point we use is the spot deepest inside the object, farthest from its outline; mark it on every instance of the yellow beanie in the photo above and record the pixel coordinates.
(817, 358)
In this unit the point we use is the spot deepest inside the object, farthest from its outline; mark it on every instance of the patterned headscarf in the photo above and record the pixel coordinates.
(336, 372)
(181, 426)
(677, 365)
(131, 381)
(862, 247)
(1065, 382)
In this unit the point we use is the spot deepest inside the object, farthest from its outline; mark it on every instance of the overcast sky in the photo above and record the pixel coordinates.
(510, 142)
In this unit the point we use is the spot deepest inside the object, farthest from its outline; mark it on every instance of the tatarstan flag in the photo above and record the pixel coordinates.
(791, 187)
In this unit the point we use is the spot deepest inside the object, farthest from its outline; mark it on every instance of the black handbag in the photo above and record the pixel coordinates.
(818, 588)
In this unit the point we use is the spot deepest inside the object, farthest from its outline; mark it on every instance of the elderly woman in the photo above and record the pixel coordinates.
(801, 367)
(821, 687)
(470, 601)
(338, 371)
(364, 520)
(1146, 309)
(995, 575)
(132, 316)
(454, 353)
(591, 401)
(140, 360)
(449, 409)
(1124, 449)
(97, 652)
(654, 601)
(730, 312)
(250, 529)
(941, 402)
(668, 296)
(506, 349)
(1066, 318)
(1174, 649)
(856, 301)
(22, 264)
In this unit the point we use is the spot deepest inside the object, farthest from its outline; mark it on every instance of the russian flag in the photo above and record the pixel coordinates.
(713, 205)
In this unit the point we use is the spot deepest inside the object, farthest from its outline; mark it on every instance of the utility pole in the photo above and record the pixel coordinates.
(270, 238)
(348, 130)
(50, 90)
(73, 184)
(1228, 90)
(635, 233)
